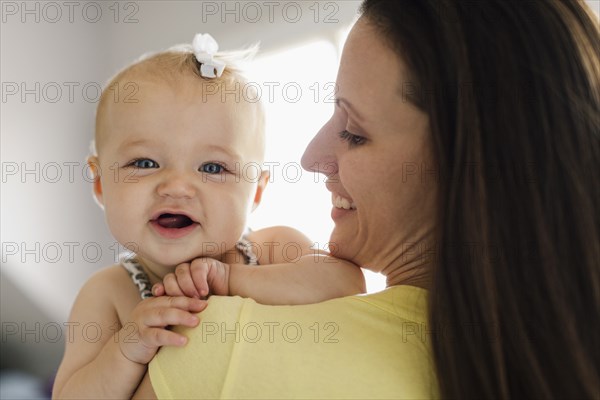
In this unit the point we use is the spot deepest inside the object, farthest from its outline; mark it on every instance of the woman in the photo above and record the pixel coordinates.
(467, 135)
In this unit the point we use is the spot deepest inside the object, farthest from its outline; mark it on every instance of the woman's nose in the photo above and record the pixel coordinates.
(319, 156)
(177, 185)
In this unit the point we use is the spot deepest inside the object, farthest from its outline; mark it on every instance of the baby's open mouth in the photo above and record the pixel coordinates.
(174, 221)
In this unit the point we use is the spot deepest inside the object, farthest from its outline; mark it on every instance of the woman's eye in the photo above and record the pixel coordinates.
(212, 168)
(352, 139)
(144, 163)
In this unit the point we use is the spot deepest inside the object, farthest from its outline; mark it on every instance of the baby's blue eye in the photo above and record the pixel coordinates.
(144, 163)
(212, 168)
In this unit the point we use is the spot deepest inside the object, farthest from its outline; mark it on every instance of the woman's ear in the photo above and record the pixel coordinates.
(94, 166)
(260, 188)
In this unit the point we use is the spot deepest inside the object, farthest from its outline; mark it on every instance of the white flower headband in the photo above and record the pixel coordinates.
(205, 47)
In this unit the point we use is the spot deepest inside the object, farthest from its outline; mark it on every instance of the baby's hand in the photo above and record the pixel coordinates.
(140, 338)
(196, 279)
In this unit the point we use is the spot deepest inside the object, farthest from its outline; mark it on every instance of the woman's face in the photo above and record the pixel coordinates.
(377, 155)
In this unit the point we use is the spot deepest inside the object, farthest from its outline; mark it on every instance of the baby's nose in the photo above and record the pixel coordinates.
(177, 185)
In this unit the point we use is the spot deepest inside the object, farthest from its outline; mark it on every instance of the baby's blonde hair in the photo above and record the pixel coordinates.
(169, 67)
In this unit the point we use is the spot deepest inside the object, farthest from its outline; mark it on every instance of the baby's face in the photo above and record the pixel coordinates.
(179, 172)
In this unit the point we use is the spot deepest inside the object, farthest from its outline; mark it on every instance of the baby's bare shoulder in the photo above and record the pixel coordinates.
(280, 244)
(112, 287)
(282, 234)
(114, 276)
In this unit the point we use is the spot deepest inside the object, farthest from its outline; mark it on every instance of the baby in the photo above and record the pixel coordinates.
(173, 172)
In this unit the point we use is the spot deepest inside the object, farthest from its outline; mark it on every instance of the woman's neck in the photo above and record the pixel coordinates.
(418, 276)
(410, 265)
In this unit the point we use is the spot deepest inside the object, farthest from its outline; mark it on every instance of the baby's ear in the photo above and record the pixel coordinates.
(94, 166)
(260, 188)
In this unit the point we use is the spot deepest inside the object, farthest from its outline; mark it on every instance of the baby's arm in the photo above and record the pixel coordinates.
(287, 277)
(297, 276)
(312, 279)
(106, 360)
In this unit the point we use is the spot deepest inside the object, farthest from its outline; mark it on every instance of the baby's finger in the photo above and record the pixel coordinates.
(158, 289)
(171, 286)
(162, 337)
(179, 302)
(163, 316)
(184, 279)
(199, 273)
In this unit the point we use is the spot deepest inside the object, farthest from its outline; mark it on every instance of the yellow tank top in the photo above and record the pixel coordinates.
(358, 347)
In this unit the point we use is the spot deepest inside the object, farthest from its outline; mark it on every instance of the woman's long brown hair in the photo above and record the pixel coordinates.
(512, 89)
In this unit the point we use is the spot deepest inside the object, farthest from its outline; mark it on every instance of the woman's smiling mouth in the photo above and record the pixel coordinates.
(342, 202)
(341, 206)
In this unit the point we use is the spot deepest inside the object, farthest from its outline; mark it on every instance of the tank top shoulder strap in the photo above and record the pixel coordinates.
(245, 247)
(138, 276)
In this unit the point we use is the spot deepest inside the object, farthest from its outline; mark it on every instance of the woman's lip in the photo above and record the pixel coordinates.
(173, 233)
(337, 213)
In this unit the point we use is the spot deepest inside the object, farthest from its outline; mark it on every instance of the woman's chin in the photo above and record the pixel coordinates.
(341, 247)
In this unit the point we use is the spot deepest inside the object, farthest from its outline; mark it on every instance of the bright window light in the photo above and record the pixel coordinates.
(297, 88)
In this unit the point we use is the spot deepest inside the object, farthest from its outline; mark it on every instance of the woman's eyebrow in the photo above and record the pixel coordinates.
(349, 106)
